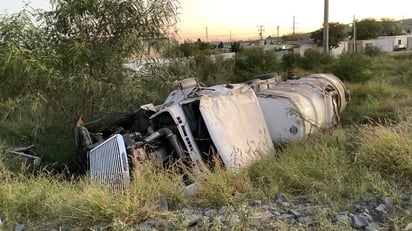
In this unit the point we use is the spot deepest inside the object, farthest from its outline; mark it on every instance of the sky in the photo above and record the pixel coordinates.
(217, 20)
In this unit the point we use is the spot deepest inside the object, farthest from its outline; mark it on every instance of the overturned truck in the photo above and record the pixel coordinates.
(229, 124)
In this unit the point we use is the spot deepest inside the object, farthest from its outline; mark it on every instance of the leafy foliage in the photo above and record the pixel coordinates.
(40, 97)
(315, 60)
(296, 37)
(254, 61)
(188, 48)
(290, 61)
(391, 27)
(336, 35)
(353, 67)
(235, 47)
(69, 63)
(368, 28)
(373, 51)
(80, 29)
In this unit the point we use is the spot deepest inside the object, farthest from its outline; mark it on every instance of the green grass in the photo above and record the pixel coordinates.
(330, 168)
(50, 200)
(370, 152)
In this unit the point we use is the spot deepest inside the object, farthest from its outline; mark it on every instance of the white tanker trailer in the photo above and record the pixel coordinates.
(296, 108)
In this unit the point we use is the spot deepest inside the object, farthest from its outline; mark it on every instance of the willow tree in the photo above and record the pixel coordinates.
(58, 64)
(94, 35)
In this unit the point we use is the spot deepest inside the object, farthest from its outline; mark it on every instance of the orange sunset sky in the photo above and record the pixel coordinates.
(217, 20)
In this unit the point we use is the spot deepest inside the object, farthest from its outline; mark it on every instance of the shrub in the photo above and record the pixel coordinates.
(290, 61)
(353, 67)
(254, 61)
(314, 60)
(373, 51)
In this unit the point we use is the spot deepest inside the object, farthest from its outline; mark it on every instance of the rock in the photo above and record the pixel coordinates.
(262, 215)
(368, 217)
(361, 209)
(372, 227)
(285, 204)
(405, 197)
(19, 227)
(307, 220)
(342, 217)
(359, 221)
(408, 227)
(194, 219)
(388, 202)
(381, 208)
(222, 211)
(250, 229)
(273, 207)
(60, 229)
(276, 213)
(100, 227)
(236, 218)
(186, 210)
(190, 190)
(144, 226)
(295, 213)
(269, 215)
(289, 218)
(147, 225)
(210, 213)
(282, 197)
(257, 203)
(163, 204)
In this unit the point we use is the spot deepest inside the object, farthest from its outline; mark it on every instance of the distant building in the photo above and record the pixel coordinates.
(384, 43)
(301, 46)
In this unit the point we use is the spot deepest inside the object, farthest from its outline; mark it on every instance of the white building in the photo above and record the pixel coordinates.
(384, 43)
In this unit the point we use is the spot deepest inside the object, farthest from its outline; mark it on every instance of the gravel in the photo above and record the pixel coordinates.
(369, 215)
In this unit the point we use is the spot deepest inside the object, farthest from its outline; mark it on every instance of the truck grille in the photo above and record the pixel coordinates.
(109, 165)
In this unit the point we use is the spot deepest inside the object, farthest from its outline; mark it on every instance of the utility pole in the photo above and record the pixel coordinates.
(354, 34)
(207, 35)
(277, 34)
(326, 28)
(294, 24)
(261, 29)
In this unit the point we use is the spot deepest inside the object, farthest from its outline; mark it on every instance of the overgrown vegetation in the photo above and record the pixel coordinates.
(42, 94)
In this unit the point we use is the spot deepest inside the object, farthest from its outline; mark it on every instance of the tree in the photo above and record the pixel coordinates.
(295, 37)
(254, 61)
(336, 35)
(69, 63)
(368, 28)
(95, 35)
(391, 27)
(204, 47)
(189, 48)
(221, 45)
(235, 47)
